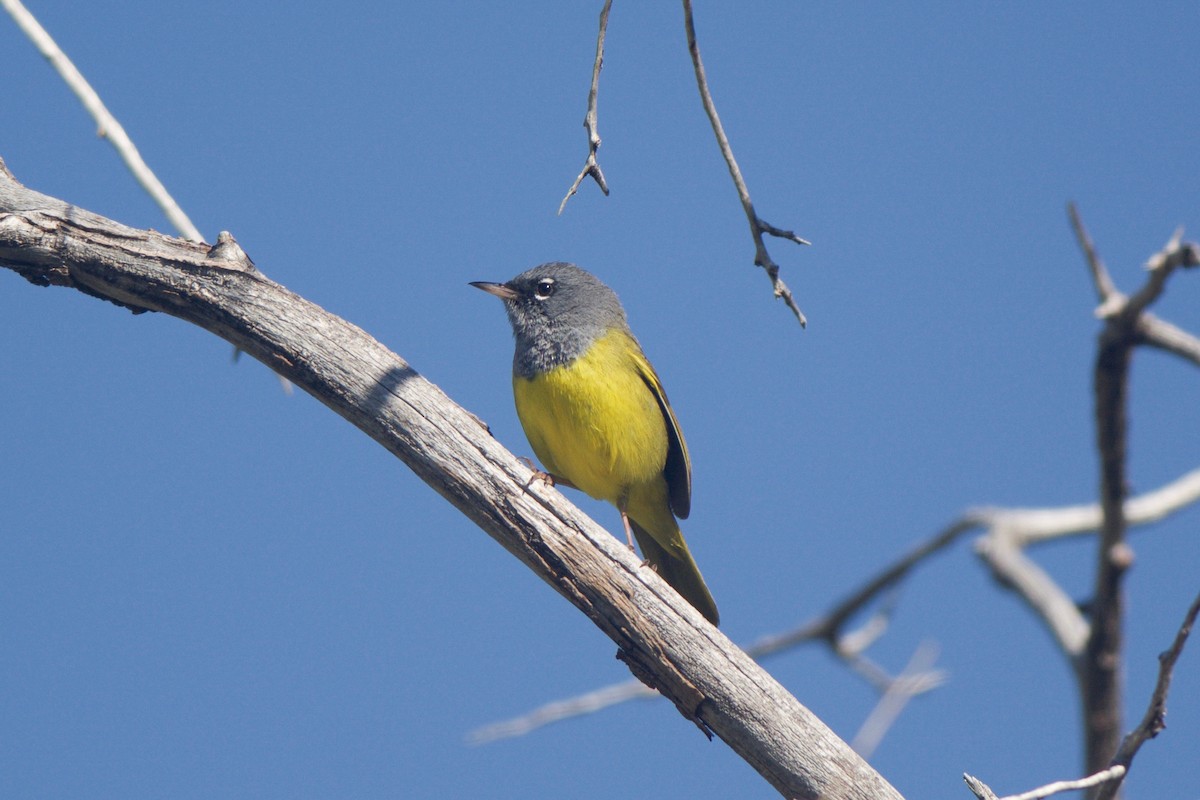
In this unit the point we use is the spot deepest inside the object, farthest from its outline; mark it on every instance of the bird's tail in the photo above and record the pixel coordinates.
(674, 564)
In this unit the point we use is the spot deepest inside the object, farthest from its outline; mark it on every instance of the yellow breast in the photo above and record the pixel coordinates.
(594, 421)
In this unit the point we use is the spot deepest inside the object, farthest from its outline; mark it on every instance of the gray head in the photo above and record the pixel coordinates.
(556, 310)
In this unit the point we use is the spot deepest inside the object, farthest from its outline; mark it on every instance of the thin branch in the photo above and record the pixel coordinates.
(1105, 288)
(1029, 526)
(828, 625)
(1016, 571)
(550, 713)
(1104, 776)
(851, 647)
(590, 121)
(1012, 530)
(1175, 254)
(979, 788)
(757, 225)
(1159, 333)
(917, 678)
(848, 647)
(1154, 720)
(107, 125)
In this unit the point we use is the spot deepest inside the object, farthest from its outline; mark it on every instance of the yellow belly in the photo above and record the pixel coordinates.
(595, 422)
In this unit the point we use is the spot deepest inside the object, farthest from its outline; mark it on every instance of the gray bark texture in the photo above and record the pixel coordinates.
(665, 642)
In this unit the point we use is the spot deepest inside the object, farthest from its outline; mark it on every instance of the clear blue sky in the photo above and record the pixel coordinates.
(211, 589)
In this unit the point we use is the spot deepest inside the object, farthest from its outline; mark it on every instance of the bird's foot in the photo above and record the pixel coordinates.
(545, 477)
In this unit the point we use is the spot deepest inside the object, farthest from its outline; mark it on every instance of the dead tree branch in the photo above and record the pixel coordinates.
(1107, 782)
(591, 120)
(662, 639)
(107, 125)
(1154, 721)
(1100, 668)
(1007, 530)
(917, 678)
(758, 226)
(984, 792)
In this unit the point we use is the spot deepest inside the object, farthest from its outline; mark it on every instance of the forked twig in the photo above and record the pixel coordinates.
(757, 225)
(590, 121)
(1109, 779)
(1154, 720)
(1098, 667)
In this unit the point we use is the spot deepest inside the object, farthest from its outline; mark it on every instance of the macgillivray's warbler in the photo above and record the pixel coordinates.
(596, 414)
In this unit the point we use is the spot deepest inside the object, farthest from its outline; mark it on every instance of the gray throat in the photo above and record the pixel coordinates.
(554, 348)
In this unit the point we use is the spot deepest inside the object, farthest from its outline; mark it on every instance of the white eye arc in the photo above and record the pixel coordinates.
(545, 288)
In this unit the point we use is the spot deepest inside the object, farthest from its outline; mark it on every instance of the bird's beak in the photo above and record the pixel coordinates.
(501, 290)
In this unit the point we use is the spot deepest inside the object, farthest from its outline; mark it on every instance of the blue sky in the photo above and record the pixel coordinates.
(208, 588)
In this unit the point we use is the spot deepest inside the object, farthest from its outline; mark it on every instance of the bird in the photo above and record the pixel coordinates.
(596, 414)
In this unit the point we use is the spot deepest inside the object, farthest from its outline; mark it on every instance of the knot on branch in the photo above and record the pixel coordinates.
(228, 250)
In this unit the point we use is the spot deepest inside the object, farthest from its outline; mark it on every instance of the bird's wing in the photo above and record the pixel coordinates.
(678, 470)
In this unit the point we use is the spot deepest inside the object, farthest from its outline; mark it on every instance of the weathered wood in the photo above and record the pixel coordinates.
(665, 642)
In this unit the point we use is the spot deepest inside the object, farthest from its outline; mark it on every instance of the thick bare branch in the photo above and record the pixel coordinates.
(591, 120)
(1099, 669)
(757, 225)
(663, 640)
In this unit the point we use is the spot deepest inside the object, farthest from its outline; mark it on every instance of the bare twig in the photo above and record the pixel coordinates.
(757, 225)
(1105, 288)
(983, 792)
(829, 625)
(107, 125)
(590, 121)
(556, 712)
(917, 678)
(979, 788)
(1161, 334)
(109, 128)
(848, 647)
(1028, 526)
(1154, 720)
(1174, 255)
(851, 647)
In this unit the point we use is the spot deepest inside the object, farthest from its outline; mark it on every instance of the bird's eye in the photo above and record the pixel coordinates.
(545, 288)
